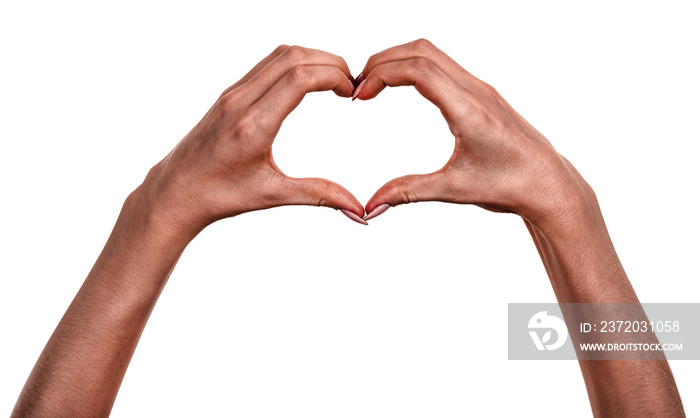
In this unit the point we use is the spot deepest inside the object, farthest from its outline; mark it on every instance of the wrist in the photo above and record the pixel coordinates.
(144, 219)
(561, 199)
(576, 249)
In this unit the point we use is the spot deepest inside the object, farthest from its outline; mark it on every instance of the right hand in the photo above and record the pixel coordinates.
(224, 166)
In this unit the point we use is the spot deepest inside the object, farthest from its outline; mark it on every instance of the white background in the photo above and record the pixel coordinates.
(298, 311)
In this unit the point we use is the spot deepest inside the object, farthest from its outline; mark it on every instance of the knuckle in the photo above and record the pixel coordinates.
(227, 102)
(295, 54)
(280, 49)
(479, 112)
(322, 191)
(342, 63)
(246, 127)
(424, 66)
(320, 201)
(483, 115)
(491, 91)
(371, 62)
(299, 76)
(464, 103)
(403, 191)
(408, 196)
(422, 46)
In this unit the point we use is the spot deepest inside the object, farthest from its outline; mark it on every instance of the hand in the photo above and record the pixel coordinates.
(500, 162)
(224, 166)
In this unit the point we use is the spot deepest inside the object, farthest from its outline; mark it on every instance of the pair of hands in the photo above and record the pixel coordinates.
(224, 166)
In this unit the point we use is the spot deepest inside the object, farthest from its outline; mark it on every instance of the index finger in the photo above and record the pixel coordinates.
(285, 95)
(454, 102)
(292, 57)
(422, 48)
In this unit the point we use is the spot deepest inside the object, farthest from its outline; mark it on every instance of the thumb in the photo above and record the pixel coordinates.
(408, 189)
(322, 192)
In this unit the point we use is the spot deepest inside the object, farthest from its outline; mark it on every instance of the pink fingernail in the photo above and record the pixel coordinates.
(354, 217)
(357, 90)
(377, 211)
(352, 85)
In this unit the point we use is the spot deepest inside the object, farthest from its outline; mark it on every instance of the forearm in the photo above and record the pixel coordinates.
(583, 268)
(223, 167)
(579, 256)
(82, 366)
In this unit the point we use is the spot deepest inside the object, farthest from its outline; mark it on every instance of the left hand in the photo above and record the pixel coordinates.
(500, 162)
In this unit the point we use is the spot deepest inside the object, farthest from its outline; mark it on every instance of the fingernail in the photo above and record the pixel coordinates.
(354, 217)
(360, 78)
(377, 211)
(352, 85)
(357, 90)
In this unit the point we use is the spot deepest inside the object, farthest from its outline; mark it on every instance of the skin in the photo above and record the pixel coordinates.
(224, 167)
(501, 163)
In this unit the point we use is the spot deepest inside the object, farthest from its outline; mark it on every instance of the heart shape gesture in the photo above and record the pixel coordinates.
(224, 166)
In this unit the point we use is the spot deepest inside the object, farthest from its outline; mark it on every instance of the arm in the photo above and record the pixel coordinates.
(502, 163)
(583, 268)
(222, 168)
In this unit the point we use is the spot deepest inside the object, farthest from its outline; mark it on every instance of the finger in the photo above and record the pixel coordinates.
(410, 189)
(319, 192)
(423, 48)
(431, 82)
(288, 92)
(276, 69)
(259, 66)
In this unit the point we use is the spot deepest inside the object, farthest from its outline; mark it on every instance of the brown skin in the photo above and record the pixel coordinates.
(502, 163)
(224, 167)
